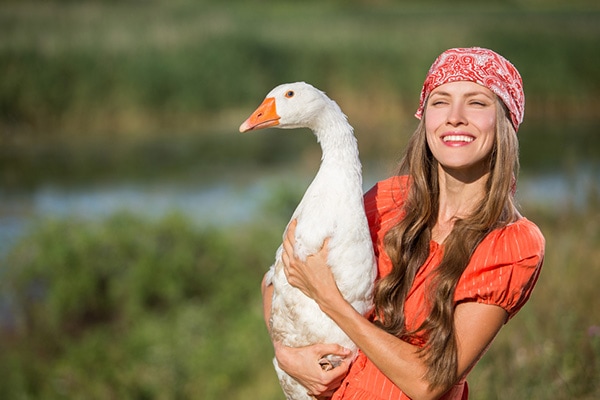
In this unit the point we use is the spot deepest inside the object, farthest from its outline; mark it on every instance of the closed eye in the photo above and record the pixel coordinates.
(438, 102)
(480, 103)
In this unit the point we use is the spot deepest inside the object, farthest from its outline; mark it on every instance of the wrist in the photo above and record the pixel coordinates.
(279, 350)
(282, 356)
(332, 302)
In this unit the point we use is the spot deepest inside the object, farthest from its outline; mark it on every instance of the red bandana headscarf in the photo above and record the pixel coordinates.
(481, 66)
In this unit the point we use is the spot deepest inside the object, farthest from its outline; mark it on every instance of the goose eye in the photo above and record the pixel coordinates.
(289, 94)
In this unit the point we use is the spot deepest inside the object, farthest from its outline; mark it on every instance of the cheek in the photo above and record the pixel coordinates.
(430, 141)
(486, 121)
(488, 130)
(490, 124)
(433, 119)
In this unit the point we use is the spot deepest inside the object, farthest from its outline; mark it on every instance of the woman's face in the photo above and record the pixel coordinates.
(460, 123)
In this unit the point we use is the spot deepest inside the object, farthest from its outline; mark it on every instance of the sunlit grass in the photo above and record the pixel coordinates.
(89, 68)
(551, 349)
(99, 82)
(167, 310)
(128, 309)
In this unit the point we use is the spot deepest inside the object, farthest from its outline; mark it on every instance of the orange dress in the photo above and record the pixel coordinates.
(502, 271)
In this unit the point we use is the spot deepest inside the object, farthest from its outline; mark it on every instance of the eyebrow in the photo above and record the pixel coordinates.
(468, 94)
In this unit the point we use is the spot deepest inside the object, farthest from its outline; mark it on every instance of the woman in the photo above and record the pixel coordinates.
(456, 260)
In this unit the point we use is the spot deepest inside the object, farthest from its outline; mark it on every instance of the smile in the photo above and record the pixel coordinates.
(458, 138)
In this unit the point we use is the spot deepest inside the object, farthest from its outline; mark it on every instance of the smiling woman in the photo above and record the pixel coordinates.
(446, 234)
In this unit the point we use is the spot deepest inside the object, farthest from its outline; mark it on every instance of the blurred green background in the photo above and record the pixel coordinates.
(136, 222)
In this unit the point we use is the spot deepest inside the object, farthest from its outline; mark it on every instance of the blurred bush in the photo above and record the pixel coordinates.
(85, 67)
(98, 90)
(127, 308)
(551, 349)
(134, 309)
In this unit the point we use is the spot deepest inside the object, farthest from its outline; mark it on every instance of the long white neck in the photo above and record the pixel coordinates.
(338, 144)
(334, 199)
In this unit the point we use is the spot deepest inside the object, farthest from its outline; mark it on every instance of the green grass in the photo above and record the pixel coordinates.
(132, 309)
(127, 308)
(101, 67)
(97, 89)
(551, 349)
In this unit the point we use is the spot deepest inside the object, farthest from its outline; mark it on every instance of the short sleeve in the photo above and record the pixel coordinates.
(504, 268)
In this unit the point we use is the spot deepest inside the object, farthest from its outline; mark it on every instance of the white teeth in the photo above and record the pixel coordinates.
(458, 138)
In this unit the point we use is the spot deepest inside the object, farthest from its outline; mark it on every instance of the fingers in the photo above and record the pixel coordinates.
(290, 234)
(288, 242)
(325, 349)
(325, 245)
(290, 239)
(302, 364)
(331, 379)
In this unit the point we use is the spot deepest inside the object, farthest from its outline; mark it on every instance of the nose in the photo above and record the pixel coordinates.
(456, 115)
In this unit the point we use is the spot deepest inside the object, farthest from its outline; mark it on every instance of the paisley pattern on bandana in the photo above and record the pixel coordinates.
(481, 66)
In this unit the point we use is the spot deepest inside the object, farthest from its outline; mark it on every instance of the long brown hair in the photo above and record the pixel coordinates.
(408, 244)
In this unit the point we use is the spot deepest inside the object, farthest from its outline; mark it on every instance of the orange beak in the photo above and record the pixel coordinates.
(264, 116)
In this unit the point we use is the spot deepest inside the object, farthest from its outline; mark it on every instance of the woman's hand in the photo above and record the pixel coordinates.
(303, 364)
(313, 277)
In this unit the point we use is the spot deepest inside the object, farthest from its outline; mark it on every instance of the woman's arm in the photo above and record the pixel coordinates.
(476, 326)
(303, 363)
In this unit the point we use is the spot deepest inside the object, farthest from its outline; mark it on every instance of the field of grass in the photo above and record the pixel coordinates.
(551, 349)
(102, 91)
(129, 309)
(133, 309)
(103, 67)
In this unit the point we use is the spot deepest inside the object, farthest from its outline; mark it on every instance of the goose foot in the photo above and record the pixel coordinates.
(330, 362)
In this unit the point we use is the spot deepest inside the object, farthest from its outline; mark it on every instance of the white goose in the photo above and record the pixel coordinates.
(331, 207)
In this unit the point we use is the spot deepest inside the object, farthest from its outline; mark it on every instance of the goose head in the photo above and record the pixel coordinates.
(291, 105)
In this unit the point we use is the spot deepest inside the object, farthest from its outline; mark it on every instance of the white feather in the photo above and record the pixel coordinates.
(332, 206)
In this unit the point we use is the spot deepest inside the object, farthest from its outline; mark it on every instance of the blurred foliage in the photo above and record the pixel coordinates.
(131, 309)
(551, 349)
(175, 156)
(85, 67)
(127, 309)
(97, 89)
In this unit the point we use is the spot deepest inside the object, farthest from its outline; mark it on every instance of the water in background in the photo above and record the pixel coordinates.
(231, 201)
(560, 167)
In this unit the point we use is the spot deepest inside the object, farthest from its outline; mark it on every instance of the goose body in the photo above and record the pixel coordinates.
(332, 206)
